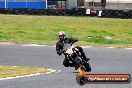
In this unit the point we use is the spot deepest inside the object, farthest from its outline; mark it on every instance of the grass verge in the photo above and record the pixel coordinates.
(44, 29)
(13, 71)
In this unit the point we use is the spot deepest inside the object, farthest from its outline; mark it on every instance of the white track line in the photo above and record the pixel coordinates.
(81, 46)
(6, 44)
(110, 47)
(37, 45)
(20, 76)
(86, 46)
(50, 71)
(28, 45)
(128, 48)
(33, 45)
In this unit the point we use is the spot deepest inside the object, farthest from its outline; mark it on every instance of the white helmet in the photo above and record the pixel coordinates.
(62, 35)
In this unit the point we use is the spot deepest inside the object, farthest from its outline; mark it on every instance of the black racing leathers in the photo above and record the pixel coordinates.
(59, 49)
(60, 44)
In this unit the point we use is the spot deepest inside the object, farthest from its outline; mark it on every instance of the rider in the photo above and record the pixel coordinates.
(63, 39)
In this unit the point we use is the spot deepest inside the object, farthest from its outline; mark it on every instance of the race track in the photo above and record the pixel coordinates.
(103, 60)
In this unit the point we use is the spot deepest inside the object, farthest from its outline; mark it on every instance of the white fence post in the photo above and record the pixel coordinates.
(46, 4)
(5, 4)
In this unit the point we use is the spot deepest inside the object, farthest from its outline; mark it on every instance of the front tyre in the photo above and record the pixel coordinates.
(66, 62)
(81, 80)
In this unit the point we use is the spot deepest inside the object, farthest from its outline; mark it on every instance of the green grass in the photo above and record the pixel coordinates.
(13, 71)
(44, 30)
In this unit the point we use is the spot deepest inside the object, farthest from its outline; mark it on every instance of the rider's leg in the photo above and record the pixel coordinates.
(82, 53)
(67, 64)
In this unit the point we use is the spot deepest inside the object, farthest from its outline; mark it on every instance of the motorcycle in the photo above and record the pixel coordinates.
(74, 57)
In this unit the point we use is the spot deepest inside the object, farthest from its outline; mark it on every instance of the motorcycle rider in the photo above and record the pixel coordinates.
(63, 40)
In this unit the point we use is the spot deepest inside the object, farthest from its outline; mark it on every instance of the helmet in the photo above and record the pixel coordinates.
(62, 35)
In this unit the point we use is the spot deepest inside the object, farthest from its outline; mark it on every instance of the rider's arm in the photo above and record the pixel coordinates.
(58, 50)
(73, 40)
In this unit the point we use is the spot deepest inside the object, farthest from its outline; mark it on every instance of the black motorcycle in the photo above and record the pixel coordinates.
(75, 59)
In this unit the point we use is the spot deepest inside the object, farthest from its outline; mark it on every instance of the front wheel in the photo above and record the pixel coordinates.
(81, 80)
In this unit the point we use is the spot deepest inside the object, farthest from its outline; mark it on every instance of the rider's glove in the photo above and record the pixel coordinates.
(73, 40)
(59, 53)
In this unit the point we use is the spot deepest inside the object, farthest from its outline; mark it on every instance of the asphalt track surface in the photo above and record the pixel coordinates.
(103, 60)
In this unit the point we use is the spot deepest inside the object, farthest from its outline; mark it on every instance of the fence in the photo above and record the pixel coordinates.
(106, 13)
(35, 4)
